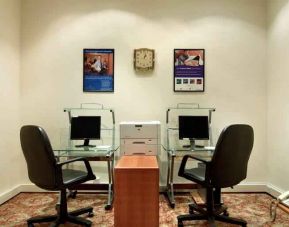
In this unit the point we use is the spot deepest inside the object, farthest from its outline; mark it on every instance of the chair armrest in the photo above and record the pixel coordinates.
(70, 160)
(184, 162)
(199, 159)
(86, 162)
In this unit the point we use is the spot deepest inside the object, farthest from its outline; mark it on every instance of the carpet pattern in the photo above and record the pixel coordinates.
(254, 208)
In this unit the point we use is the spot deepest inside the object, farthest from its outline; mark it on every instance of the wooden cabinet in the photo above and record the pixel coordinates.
(136, 187)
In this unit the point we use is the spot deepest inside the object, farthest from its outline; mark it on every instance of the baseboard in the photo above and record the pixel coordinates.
(248, 187)
(273, 190)
(30, 188)
(244, 187)
(9, 194)
(18, 189)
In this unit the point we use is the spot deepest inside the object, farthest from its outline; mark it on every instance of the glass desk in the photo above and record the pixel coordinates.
(175, 152)
(99, 153)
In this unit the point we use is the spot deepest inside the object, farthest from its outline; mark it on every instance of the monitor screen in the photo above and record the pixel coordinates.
(85, 127)
(194, 127)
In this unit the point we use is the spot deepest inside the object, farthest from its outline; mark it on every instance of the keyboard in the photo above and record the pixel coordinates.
(211, 148)
(103, 147)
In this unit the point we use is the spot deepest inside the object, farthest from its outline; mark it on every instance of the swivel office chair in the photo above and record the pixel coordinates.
(45, 172)
(227, 168)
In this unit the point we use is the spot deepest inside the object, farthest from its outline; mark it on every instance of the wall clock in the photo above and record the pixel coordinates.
(144, 59)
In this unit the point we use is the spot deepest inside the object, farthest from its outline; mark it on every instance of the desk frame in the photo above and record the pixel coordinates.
(170, 152)
(170, 178)
(171, 186)
(109, 158)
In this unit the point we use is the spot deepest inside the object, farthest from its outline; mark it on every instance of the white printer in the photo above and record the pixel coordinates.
(140, 138)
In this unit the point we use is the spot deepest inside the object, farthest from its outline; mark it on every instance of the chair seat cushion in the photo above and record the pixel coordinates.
(195, 174)
(72, 175)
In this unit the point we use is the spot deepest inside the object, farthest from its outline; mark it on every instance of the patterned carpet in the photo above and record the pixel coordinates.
(251, 207)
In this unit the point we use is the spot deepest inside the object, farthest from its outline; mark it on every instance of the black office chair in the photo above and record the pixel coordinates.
(47, 173)
(227, 168)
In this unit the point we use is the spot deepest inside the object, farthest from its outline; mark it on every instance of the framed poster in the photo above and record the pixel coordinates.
(189, 70)
(98, 70)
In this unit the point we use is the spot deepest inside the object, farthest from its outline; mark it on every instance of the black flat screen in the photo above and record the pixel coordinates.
(85, 127)
(194, 127)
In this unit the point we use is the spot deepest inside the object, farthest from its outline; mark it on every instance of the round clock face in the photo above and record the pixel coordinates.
(144, 59)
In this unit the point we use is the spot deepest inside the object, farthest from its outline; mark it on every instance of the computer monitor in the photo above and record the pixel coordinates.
(85, 128)
(193, 128)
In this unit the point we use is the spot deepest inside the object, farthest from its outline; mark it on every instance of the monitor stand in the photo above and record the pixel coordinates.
(191, 146)
(85, 144)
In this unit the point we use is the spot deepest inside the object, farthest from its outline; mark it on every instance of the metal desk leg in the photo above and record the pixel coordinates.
(168, 173)
(110, 192)
(112, 168)
(170, 179)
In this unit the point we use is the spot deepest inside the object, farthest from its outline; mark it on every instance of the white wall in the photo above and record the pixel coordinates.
(232, 32)
(11, 161)
(278, 92)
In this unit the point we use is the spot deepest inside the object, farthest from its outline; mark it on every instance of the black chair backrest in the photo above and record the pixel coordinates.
(230, 160)
(40, 159)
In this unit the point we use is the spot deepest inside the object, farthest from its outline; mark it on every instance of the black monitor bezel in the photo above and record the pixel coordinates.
(181, 137)
(98, 137)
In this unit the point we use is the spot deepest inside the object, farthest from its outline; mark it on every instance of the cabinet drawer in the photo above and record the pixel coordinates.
(138, 149)
(139, 141)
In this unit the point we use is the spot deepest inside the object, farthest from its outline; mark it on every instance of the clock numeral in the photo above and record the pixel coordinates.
(144, 59)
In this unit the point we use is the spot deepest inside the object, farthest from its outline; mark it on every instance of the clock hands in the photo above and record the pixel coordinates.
(144, 59)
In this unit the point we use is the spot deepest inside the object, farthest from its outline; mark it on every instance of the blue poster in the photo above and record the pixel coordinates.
(189, 69)
(98, 70)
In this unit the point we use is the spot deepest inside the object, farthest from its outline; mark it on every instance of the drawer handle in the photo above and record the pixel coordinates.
(138, 142)
(139, 153)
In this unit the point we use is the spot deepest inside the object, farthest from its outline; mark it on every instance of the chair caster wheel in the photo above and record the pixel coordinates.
(191, 211)
(90, 214)
(226, 213)
(57, 207)
(107, 207)
(72, 194)
(180, 224)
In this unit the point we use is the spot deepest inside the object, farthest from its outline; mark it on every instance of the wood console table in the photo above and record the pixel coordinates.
(136, 192)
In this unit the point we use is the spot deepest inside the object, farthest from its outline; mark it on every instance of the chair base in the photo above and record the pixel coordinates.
(220, 213)
(210, 219)
(58, 219)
